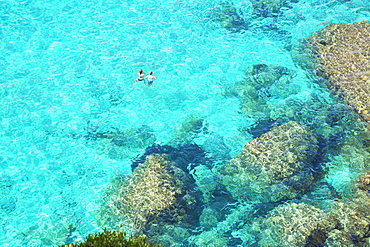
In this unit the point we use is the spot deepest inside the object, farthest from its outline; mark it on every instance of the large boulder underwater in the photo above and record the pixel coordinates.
(156, 187)
(345, 223)
(336, 59)
(227, 15)
(156, 197)
(338, 56)
(162, 198)
(268, 8)
(274, 167)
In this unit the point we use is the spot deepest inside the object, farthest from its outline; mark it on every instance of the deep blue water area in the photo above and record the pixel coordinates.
(73, 117)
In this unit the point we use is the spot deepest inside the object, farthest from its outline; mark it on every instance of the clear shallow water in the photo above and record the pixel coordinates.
(67, 66)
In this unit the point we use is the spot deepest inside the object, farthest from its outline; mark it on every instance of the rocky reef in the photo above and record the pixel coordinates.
(267, 8)
(336, 58)
(156, 188)
(261, 84)
(160, 198)
(339, 55)
(118, 143)
(188, 130)
(273, 167)
(292, 224)
(345, 223)
(352, 223)
(226, 14)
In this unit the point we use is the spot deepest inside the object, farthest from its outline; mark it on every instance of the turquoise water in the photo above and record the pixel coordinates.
(68, 67)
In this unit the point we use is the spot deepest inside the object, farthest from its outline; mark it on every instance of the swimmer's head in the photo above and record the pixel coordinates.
(151, 72)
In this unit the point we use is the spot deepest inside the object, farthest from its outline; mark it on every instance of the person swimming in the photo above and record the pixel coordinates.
(141, 76)
(150, 78)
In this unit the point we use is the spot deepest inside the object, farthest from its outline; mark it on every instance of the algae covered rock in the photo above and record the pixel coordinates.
(293, 224)
(262, 83)
(346, 223)
(363, 183)
(228, 231)
(189, 129)
(150, 191)
(340, 54)
(120, 143)
(158, 198)
(273, 167)
(352, 217)
(267, 8)
(229, 18)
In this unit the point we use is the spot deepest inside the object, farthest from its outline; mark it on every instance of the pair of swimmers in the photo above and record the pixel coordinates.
(150, 77)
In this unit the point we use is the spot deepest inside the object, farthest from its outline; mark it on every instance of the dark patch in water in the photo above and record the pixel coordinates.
(264, 126)
(317, 238)
(187, 155)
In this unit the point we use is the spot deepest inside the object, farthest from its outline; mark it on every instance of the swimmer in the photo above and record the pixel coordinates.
(150, 78)
(141, 76)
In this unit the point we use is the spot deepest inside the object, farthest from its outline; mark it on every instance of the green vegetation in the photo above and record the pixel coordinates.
(114, 239)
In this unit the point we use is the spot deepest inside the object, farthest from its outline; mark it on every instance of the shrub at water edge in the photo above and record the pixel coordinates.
(113, 239)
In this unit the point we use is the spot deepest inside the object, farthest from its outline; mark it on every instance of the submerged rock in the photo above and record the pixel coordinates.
(346, 222)
(267, 8)
(117, 143)
(189, 129)
(229, 230)
(293, 224)
(156, 188)
(363, 183)
(159, 198)
(352, 222)
(337, 58)
(229, 18)
(135, 137)
(273, 167)
(262, 83)
(339, 54)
